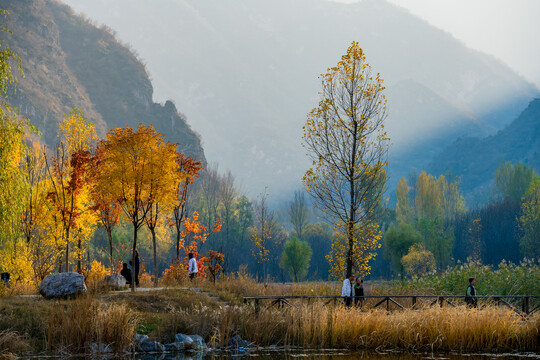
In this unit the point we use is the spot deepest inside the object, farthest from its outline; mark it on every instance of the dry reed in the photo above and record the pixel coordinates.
(441, 329)
(318, 326)
(11, 342)
(73, 326)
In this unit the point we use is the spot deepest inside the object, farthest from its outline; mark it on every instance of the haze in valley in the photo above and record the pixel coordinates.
(245, 74)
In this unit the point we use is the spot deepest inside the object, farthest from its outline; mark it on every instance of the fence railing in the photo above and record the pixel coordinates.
(521, 304)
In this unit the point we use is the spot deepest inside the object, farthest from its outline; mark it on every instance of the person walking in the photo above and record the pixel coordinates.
(359, 292)
(347, 290)
(192, 266)
(470, 296)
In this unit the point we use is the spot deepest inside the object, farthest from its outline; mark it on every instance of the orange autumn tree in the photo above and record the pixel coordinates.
(214, 260)
(197, 234)
(189, 170)
(129, 172)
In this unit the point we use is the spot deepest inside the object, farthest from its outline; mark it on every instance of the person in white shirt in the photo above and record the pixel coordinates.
(346, 290)
(192, 266)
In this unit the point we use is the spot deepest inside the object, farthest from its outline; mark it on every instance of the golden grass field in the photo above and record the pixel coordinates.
(34, 325)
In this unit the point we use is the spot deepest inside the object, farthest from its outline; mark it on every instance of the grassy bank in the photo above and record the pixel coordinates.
(34, 325)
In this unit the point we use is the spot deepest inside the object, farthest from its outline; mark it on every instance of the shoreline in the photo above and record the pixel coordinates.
(50, 326)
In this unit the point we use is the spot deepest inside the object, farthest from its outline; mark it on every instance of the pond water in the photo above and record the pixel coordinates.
(315, 355)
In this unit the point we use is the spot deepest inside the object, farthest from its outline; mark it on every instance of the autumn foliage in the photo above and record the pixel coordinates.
(346, 141)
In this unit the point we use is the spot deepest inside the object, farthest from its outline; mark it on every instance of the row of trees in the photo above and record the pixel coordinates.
(133, 175)
(423, 216)
(433, 228)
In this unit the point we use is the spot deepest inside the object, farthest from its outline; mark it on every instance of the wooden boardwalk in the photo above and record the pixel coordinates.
(521, 304)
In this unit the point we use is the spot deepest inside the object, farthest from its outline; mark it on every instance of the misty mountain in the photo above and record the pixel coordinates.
(68, 63)
(246, 74)
(475, 160)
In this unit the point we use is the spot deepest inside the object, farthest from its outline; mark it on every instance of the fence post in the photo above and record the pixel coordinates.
(413, 302)
(387, 303)
(441, 301)
(525, 304)
(257, 306)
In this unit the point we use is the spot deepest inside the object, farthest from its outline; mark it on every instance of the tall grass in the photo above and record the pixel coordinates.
(320, 326)
(11, 342)
(73, 326)
(455, 329)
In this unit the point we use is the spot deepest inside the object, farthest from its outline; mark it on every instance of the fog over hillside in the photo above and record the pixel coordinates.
(245, 73)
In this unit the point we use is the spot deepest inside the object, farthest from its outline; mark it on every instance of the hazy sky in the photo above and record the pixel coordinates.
(200, 83)
(506, 29)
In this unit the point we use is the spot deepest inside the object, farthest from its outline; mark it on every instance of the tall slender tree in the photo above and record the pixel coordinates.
(68, 172)
(348, 146)
(189, 171)
(298, 213)
(261, 232)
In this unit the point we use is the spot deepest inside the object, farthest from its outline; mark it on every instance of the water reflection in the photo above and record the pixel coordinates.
(316, 355)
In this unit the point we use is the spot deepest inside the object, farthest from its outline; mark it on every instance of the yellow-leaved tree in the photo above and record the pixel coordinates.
(13, 185)
(348, 146)
(139, 170)
(68, 172)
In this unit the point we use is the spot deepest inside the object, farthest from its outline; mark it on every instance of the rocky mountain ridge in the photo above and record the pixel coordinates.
(70, 63)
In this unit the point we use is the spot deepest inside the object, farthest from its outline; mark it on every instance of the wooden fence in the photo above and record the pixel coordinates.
(521, 304)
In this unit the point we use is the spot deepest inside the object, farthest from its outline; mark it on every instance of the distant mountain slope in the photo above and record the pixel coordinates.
(246, 73)
(70, 63)
(475, 160)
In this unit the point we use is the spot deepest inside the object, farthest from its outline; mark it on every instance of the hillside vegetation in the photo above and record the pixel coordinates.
(475, 160)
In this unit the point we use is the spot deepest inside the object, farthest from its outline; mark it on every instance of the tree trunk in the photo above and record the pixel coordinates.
(109, 234)
(350, 238)
(79, 268)
(178, 245)
(134, 274)
(67, 249)
(153, 231)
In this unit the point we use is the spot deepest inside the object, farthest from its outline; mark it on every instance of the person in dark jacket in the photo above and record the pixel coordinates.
(470, 296)
(359, 292)
(125, 272)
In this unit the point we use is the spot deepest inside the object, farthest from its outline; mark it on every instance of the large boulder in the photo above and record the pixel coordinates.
(236, 342)
(63, 285)
(198, 342)
(150, 346)
(114, 281)
(175, 347)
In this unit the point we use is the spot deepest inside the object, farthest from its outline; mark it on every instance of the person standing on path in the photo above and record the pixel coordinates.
(192, 266)
(347, 289)
(470, 296)
(359, 292)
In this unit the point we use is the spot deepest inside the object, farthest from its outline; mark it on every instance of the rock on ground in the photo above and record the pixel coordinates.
(175, 347)
(184, 339)
(114, 281)
(150, 346)
(198, 342)
(236, 342)
(62, 285)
